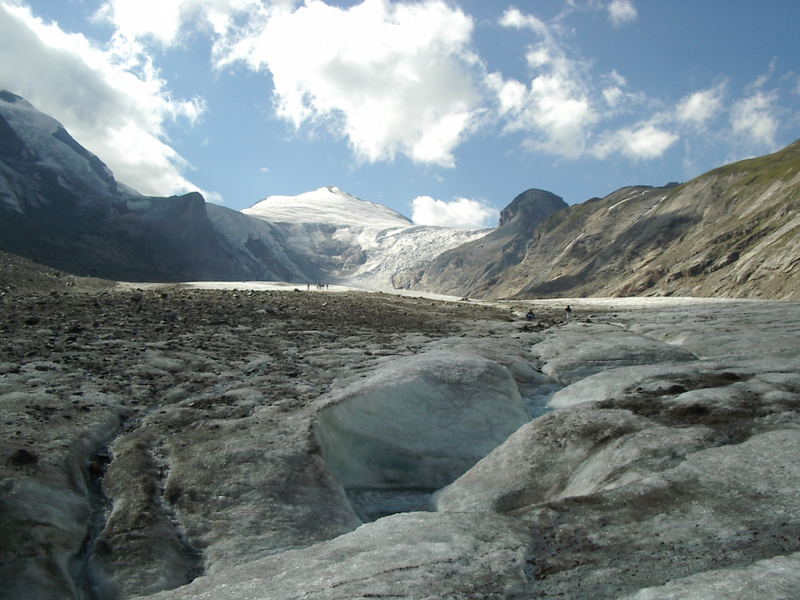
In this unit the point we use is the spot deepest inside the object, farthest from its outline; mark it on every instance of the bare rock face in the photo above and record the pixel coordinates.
(60, 205)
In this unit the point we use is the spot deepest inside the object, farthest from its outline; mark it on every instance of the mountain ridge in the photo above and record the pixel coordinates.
(733, 231)
(62, 206)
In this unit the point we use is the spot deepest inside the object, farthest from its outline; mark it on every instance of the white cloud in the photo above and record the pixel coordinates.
(700, 107)
(613, 95)
(645, 141)
(754, 120)
(555, 110)
(510, 93)
(621, 12)
(138, 18)
(513, 18)
(392, 78)
(165, 20)
(619, 80)
(115, 105)
(620, 100)
(461, 213)
(558, 108)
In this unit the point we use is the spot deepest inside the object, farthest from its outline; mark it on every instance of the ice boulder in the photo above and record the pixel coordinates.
(414, 556)
(582, 349)
(419, 422)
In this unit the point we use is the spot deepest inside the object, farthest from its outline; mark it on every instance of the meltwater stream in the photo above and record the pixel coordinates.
(371, 504)
(88, 578)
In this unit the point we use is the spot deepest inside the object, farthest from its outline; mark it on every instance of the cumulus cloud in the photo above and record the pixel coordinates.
(700, 107)
(621, 12)
(392, 78)
(165, 21)
(138, 18)
(461, 213)
(115, 105)
(513, 18)
(645, 141)
(555, 109)
(754, 120)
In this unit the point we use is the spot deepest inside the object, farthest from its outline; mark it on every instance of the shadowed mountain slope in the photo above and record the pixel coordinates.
(60, 205)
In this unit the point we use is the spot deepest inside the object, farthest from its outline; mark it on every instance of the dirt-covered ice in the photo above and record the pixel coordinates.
(249, 443)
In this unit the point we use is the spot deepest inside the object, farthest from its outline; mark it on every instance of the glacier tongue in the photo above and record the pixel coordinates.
(352, 241)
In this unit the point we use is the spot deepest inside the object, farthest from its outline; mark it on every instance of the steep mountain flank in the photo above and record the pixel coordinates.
(732, 232)
(477, 265)
(60, 205)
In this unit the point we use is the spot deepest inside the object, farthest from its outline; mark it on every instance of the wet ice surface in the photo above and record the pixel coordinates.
(276, 433)
(371, 504)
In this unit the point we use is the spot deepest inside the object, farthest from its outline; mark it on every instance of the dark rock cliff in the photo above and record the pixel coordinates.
(60, 205)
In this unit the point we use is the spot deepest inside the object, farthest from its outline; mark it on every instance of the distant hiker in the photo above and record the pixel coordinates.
(530, 316)
(308, 287)
(568, 313)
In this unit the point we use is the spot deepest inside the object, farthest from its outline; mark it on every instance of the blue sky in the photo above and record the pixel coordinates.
(442, 110)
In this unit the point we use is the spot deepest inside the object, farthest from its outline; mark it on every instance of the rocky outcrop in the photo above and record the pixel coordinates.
(475, 267)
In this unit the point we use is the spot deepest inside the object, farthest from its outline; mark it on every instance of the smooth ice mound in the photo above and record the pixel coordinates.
(414, 427)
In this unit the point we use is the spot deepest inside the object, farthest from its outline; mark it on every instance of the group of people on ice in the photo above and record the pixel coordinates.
(531, 316)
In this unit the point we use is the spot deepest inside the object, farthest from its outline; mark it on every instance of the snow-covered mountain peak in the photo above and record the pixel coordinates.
(355, 241)
(328, 205)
